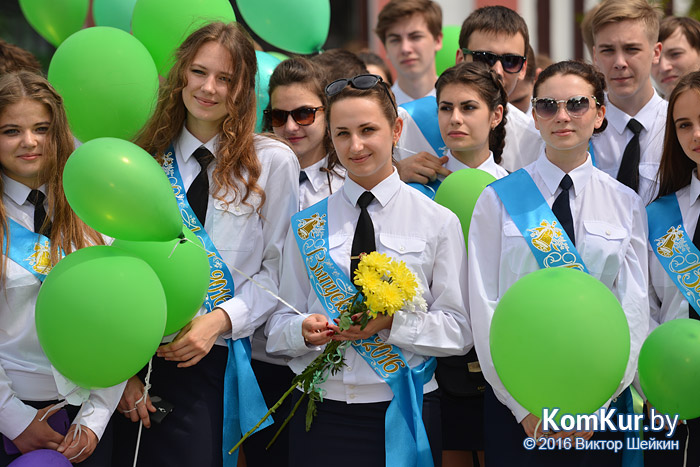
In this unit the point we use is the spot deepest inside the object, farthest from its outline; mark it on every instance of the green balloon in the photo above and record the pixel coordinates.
(459, 193)
(266, 65)
(118, 189)
(114, 13)
(108, 81)
(669, 368)
(446, 56)
(299, 26)
(162, 25)
(100, 316)
(559, 338)
(183, 271)
(55, 20)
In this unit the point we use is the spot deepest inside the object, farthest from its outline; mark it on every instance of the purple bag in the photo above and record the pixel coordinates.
(58, 421)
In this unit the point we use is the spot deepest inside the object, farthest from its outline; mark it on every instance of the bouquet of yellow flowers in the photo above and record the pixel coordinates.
(385, 286)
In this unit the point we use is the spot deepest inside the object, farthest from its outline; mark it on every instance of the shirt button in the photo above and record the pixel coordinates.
(351, 396)
(351, 386)
(402, 249)
(607, 232)
(348, 368)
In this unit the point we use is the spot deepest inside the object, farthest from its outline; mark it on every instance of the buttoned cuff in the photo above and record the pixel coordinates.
(238, 312)
(15, 417)
(404, 329)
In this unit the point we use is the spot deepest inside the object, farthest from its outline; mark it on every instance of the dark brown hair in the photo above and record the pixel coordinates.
(304, 72)
(486, 83)
(384, 97)
(13, 58)
(495, 20)
(676, 167)
(370, 58)
(236, 158)
(583, 70)
(338, 63)
(397, 10)
(68, 232)
(690, 28)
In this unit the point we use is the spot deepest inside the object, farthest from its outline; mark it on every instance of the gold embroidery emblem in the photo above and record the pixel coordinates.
(548, 236)
(672, 241)
(40, 260)
(308, 225)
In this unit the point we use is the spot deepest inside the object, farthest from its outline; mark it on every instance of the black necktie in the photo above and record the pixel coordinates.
(302, 177)
(198, 193)
(37, 198)
(629, 166)
(696, 241)
(562, 210)
(363, 241)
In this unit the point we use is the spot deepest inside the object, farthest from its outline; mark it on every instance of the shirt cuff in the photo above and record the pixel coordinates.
(238, 312)
(404, 329)
(15, 417)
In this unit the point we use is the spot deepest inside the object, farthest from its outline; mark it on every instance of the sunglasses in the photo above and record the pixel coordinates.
(303, 116)
(576, 106)
(512, 63)
(365, 81)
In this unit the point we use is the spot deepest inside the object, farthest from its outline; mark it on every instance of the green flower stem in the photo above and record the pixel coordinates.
(286, 421)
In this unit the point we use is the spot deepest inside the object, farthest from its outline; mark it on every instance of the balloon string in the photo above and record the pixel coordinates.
(687, 440)
(247, 277)
(534, 434)
(146, 387)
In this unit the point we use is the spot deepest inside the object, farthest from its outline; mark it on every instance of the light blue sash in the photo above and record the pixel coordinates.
(406, 442)
(591, 152)
(244, 404)
(674, 248)
(550, 244)
(28, 249)
(552, 247)
(423, 111)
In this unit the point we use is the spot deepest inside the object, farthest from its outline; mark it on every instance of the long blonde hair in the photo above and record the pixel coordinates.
(236, 158)
(68, 232)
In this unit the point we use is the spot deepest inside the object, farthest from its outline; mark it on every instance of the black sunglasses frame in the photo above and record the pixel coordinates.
(363, 81)
(491, 58)
(269, 113)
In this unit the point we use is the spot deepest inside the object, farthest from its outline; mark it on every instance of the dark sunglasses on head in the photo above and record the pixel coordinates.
(366, 81)
(512, 63)
(576, 107)
(303, 116)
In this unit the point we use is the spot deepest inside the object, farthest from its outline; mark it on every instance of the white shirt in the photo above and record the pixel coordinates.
(610, 228)
(666, 302)
(317, 186)
(609, 146)
(25, 371)
(429, 241)
(247, 240)
(489, 165)
(402, 97)
(523, 141)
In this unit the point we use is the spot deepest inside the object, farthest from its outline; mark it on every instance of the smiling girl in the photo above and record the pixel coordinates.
(35, 143)
(373, 210)
(297, 114)
(604, 223)
(237, 191)
(472, 117)
(677, 205)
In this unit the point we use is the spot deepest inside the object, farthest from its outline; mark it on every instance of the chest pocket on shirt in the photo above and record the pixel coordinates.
(236, 227)
(407, 249)
(605, 246)
(515, 249)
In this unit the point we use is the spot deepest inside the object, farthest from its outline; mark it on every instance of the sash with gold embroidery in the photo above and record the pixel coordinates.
(244, 404)
(534, 218)
(674, 248)
(406, 442)
(28, 249)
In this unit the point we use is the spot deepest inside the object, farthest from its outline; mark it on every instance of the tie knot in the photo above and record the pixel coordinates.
(566, 182)
(635, 126)
(365, 199)
(203, 156)
(36, 197)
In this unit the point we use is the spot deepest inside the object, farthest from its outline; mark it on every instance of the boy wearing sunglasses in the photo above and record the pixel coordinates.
(498, 36)
(624, 49)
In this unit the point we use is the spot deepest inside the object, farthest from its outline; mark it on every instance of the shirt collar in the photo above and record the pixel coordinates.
(453, 164)
(383, 191)
(552, 175)
(17, 191)
(646, 115)
(188, 144)
(694, 187)
(317, 178)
